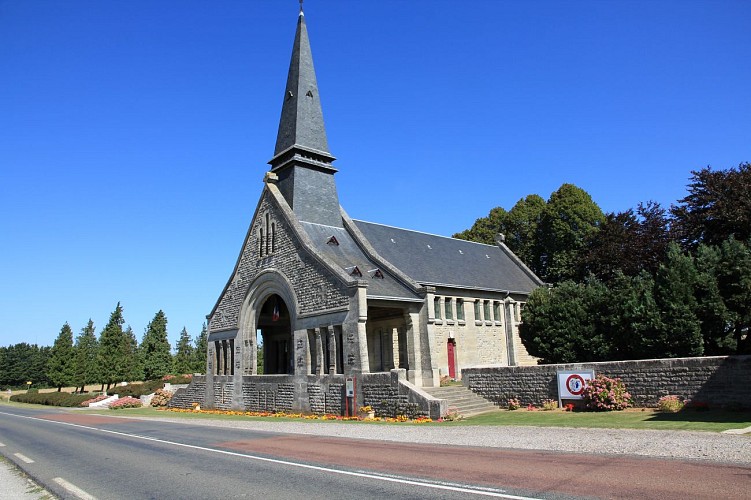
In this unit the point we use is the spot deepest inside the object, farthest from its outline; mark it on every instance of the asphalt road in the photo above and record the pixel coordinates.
(74, 455)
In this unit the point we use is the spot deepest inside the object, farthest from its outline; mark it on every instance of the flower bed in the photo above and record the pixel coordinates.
(399, 418)
(126, 402)
(101, 397)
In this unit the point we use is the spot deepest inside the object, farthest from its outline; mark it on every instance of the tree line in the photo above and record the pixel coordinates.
(115, 356)
(648, 282)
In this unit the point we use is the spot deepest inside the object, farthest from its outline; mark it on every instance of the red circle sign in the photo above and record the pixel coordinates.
(575, 384)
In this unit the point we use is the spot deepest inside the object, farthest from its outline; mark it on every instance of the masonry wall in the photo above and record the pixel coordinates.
(719, 381)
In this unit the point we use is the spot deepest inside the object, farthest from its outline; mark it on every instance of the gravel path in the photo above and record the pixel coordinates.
(709, 446)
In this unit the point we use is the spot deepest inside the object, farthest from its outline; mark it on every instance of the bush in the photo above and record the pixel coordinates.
(513, 404)
(64, 399)
(549, 404)
(126, 402)
(138, 390)
(606, 394)
(161, 398)
(87, 402)
(670, 404)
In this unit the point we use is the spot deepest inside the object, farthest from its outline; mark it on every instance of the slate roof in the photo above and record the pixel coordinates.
(438, 260)
(347, 255)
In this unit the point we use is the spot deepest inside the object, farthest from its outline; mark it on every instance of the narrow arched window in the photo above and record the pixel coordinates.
(273, 237)
(260, 242)
(268, 242)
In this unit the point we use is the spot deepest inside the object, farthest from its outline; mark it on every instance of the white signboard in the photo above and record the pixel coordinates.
(571, 384)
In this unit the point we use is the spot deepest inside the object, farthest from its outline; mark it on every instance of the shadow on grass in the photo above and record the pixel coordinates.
(694, 415)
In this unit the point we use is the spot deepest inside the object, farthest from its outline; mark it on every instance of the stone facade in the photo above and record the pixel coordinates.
(719, 381)
(327, 298)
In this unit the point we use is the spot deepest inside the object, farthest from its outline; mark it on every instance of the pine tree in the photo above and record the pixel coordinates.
(155, 348)
(60, 366)
(199, 353)
(132, 360)
(85, 357)
(184, 356)
(110, 356)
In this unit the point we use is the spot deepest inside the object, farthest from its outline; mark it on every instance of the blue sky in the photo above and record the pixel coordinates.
(134, 135)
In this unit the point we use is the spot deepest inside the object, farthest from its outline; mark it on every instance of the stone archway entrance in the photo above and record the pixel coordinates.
(274, 334)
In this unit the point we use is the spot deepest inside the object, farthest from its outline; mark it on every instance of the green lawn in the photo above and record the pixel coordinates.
(688, 420)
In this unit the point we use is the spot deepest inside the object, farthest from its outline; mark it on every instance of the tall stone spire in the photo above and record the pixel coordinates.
(302, 160)
(301, 123)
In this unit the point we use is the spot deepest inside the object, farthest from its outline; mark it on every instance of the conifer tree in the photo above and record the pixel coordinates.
(132, 359)
(184, 356)
(110, 356)
(85, 371)
(155, 348)
(199, 353)
(60, 365)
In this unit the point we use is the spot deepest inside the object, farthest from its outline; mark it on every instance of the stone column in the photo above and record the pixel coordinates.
(319, 352)
(395, 346)
(332, 350)
(414, 348)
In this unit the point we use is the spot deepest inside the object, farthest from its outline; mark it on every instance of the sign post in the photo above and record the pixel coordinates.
(350, 396)
(571, 384)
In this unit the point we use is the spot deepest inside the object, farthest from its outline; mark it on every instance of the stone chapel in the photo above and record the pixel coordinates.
(329, 298)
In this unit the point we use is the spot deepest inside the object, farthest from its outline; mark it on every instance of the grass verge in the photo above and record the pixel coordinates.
(647, 419)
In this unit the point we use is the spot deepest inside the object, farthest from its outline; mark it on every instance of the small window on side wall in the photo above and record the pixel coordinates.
(437, 307)
(478, 313)
(447, 307)
(460, 309)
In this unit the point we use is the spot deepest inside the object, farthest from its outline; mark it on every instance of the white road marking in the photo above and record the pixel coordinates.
(412, 482)
(73, 489)
(24, 458)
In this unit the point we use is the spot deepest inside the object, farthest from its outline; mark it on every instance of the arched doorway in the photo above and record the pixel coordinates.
(275, 337)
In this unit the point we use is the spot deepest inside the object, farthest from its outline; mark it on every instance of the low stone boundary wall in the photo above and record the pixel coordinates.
(390, 395)
(719, 381)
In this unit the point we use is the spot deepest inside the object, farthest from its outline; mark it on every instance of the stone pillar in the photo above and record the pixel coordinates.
(414, 348)
(332, 350)
(362, 334)
(395, 346)
(319, 352)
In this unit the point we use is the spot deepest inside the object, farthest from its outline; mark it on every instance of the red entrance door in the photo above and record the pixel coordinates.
(451, 346)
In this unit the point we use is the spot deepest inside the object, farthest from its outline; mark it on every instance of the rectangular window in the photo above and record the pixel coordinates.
(437, 307)
(449, 310)
(478, 314)
(486, 310)
(497, 311)
(460, 309)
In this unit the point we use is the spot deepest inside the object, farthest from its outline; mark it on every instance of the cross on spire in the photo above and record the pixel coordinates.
(301, 5)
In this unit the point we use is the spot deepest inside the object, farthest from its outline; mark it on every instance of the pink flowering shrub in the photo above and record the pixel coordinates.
(94, 400)
(514, 404)
(606, 394)
(161, 398)
(126, 402)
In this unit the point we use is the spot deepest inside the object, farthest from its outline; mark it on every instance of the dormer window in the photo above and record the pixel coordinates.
(376, 273)
(354, 271)
(333, 241)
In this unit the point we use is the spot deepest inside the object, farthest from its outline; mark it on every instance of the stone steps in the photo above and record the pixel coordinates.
(465, 401)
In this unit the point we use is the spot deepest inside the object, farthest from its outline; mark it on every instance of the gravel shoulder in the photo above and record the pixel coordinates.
(683, 445)
(15, 485)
